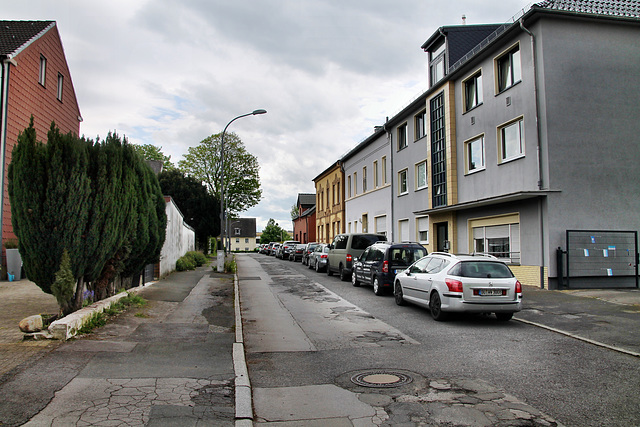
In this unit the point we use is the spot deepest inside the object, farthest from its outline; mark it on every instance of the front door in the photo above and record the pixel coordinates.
(442, 237)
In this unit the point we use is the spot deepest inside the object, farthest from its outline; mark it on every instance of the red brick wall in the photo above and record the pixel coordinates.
(28, 97)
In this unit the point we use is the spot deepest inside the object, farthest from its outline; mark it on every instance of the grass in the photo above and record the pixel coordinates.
(98, 320)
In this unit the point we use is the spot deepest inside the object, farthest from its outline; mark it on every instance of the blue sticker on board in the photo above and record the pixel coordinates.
(586, 252)
(593, 239)
(609, 272)
(605, 253)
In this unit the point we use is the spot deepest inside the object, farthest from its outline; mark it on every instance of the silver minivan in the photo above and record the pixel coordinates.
(345, 248)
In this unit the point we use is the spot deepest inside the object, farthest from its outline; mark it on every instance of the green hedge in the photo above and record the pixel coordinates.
(190, 261)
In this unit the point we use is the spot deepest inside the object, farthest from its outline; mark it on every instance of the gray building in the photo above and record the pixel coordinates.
(545, 143)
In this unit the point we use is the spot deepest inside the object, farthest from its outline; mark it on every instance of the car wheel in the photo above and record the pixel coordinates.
(309, 263)
(354, 279)
(377, 289)
(329, 272)
(435, 306)
(504, 317)
(397, 294)
(343, 274)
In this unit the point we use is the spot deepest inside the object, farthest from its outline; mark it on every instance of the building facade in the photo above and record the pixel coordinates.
(329, 203)
(304, 224)
(242, 235)
(35, 81)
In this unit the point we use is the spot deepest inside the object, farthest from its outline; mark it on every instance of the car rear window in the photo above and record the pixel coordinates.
(404, 257)
(482, 269)
(363, 242)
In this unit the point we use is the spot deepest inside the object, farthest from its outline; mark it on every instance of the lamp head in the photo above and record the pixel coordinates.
(259, 112)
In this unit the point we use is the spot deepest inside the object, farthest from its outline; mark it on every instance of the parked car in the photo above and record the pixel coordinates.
(447, 283)
(297, 252)
(319, 256)
(308, 251)
(345, 248)
(263, 248)
(287, 246)
(274, 249)
(380, 262)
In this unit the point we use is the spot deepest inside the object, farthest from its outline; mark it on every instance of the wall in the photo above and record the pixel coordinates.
(180, 239)
(328, 213)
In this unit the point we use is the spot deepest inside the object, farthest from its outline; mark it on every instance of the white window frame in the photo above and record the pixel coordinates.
(60, 86)
(474, 81)
(518, 126)
(420, 121)
(402, 181)
(468, 157)
(420, 228)
(403, 137)
(42, 78)
(418, 186)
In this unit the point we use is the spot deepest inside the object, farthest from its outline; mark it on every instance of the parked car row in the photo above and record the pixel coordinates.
(442, 282)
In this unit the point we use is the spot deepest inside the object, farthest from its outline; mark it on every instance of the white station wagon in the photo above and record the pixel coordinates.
(446, 283)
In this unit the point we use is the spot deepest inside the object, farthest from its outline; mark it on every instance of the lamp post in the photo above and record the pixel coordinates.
(222, 200)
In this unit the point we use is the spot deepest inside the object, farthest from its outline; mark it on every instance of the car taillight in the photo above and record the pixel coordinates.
(518, 287)
(349, 258)
(323, 256)
(453, 285)
(385, 266)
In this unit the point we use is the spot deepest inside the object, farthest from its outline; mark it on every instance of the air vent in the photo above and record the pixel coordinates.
(473, 120)
(508, 101)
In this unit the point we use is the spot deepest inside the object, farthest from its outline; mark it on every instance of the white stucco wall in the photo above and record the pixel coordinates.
(180, 239)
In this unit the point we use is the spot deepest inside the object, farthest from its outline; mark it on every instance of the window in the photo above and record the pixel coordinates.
(364, 179)
(501, 241)
(384, 170)
(349, 185)
(237, 240)
(474, 153)
(338, 193)
(60, 82)
(376, 177)
(365, 223)
(436, 63)
(511, 141)
(422, 229)
(355, 183)
(43, 70)
(333, 194)
(246, 240)
(438, 152)
(380, 224)
(402, 182)
(508, 69)
(421, 124)
(473, 92)
(421, 175)
(237, 231)
(403, 230)
(402, 137)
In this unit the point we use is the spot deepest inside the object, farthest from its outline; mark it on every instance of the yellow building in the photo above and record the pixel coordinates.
(329, 203)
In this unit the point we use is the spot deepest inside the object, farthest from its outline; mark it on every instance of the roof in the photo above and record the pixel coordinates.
(306, 200)
(247, 227)
(462, 38)
(16, 35)
(622, 8)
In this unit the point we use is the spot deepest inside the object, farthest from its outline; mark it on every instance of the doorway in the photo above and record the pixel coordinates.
(442, 237)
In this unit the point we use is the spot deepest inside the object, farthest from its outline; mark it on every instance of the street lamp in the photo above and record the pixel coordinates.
(222, 200)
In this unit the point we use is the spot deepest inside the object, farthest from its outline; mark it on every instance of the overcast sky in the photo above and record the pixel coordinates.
(172, 72)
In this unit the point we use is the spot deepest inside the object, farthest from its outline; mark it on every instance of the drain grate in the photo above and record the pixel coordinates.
(381, 379)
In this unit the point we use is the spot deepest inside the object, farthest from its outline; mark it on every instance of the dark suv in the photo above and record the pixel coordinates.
(345, 248)
(380, 262)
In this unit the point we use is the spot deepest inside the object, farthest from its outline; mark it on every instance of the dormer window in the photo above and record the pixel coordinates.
(436, 62)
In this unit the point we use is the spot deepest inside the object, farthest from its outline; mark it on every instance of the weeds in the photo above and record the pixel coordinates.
(98, 320)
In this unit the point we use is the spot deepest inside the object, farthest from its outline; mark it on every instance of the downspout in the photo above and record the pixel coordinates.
(4, 96)
(391, 180)
(538, 148)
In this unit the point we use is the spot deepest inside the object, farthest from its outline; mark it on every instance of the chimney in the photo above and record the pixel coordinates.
(464, 19)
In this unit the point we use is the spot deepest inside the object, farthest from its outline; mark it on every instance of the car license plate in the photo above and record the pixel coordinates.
(490, 292)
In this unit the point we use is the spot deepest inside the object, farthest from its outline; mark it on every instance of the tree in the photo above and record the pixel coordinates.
(273, 233)
(241, 171)
(151, 152)
(201, 209)
(295, 212)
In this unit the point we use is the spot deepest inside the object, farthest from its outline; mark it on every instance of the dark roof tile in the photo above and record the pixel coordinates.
(16, 34)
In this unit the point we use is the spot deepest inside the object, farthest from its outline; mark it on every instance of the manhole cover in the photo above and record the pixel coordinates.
(381, 379)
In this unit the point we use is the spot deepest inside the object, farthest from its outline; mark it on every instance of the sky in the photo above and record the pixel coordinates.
(172, 72)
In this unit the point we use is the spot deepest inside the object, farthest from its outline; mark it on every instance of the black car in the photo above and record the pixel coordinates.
(380, 262)
(297, 252)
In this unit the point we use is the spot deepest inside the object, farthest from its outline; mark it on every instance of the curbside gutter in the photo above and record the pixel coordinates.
(244, 403)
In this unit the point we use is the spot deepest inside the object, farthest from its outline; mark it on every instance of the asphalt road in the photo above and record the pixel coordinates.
(317, 329)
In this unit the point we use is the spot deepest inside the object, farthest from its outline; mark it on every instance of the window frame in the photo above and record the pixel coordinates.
(404, 181)
(349, 185)
(502, 157)
(376, 175)
(476, 78)
(384, 170)
(364, 179)
(418, 229)
(437, 63)
(403, 136)
(417, 175)
(468, 154)
(60, 87)
(420, 124)
(42, 75)
(515, 73)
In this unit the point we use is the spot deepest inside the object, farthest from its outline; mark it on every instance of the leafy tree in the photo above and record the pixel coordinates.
(273, 233)
(201, 209)
(151, 152)
(64, 284)
(294, 212)
(241, 171)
